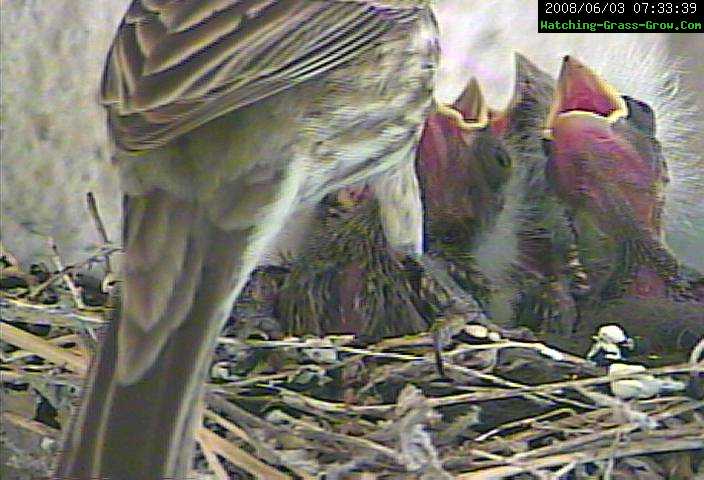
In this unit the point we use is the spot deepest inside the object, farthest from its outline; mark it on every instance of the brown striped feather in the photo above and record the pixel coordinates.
(175, 65)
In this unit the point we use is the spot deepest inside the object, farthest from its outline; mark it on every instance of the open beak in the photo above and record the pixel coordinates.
(600, 163)
(580, 91)
(592, 164)
(471, 105)
(469, 112)
(461, 165)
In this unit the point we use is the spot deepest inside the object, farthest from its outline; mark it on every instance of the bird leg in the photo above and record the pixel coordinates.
(441, 302)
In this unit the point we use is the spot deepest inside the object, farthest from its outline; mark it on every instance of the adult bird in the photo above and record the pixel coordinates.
(227, 115)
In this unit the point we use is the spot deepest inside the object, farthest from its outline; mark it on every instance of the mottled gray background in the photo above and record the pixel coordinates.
(54, 147)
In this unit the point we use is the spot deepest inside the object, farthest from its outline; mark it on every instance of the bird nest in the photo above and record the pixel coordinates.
(331, 407)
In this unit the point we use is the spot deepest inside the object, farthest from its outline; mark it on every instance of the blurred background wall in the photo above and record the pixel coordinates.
(54, 147)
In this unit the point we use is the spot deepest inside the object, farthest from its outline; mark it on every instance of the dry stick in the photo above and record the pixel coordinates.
(560, 474)
(12, 376)
(611, 461)
(99, 226)
(41, 347)
(241, 415)
(211, 457)
(622, 430)
(587, 418)
(522, 390)
(37, 290)
(76, 292)
(58, 341)
(633, 449)
(545, 350)
(215, 400)
(34, 292)
(492, 456)
(205, 445)
(243, 435)
(228, 425)
(36, 313)
(309, 429)
(524, 422)
(239, 457)
(255, 380)
(552, 387)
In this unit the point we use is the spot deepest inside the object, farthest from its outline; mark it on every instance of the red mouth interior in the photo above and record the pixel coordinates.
(581, 89)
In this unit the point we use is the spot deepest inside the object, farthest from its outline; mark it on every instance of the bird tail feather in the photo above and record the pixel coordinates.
(141, 407)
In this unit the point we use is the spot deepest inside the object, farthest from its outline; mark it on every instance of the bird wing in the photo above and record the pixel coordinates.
(177, 64)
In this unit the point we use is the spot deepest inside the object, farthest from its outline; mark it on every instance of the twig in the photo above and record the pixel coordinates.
(7, 376)
(307, 428)
(611, 460)
(697, 352)
(524, 422)
(609, 432)
(557, 386)
(301, 401)
(210, 455)
(76, 292)
(42, 348)
(18, 310)
(501, 459)
(562, 472)
(99, 226)
(245, 417)
(34, 292)
(634, 448)
(522, 390)
(239, 457)
(228, 425)
(58, 341)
